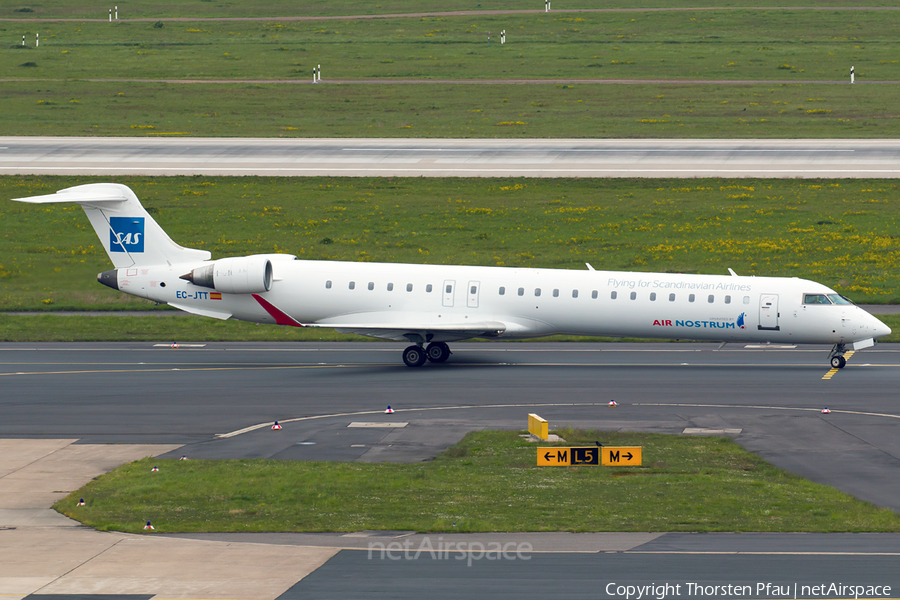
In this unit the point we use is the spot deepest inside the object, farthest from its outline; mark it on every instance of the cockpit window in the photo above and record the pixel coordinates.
(838, 299)
(816, 299)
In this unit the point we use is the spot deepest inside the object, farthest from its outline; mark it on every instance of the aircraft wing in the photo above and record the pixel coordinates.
(393, 326)
(417, 331)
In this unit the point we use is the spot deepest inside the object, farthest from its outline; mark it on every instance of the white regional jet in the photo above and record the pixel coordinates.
(430, 305)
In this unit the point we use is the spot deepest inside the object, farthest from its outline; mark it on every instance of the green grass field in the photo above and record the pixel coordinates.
(47, 94)
(745, 44)
(488, 482)
(449, 110)
(841, 233)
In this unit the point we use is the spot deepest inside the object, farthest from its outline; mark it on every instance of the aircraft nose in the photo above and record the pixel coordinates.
(880, 329)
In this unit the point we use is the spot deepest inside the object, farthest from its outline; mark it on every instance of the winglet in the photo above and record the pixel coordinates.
(280, 316)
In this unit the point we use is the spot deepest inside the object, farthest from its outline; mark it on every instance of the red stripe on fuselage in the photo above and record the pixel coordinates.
(280, 317)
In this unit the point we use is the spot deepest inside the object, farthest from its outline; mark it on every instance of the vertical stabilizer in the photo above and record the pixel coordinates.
(128, 233)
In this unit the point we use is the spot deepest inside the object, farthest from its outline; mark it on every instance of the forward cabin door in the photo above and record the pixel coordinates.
(768, 312)
(448, 292)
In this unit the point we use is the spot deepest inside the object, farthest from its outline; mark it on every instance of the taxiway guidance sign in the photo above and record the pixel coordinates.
(622, 456)
(616, 456)
(554, 457)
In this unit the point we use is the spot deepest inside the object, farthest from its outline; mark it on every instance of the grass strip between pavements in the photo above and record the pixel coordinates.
(841, 233)
(487, 482)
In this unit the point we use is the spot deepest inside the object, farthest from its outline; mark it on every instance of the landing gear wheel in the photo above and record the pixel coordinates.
(437, 352)
(838, 362)
(414, 356)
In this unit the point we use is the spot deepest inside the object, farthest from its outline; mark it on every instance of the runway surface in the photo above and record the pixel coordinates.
(450, 158)
(220, 399)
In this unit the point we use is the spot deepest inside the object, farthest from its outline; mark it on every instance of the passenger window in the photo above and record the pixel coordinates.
(634, 295)
(473, 289)
(691, 298)
(521, 291)
(448, 289)
(727, 299)
(612, 295)
(352, 285)
(653, 296)
(574, 293)
(328, 285)
(408, 287)
(371, 285)
(537, 291)
(428, 288)
(711, 299)
(594, 294)
(390, 287)
(746, 299)
(671, 297)
(502, 290)
(556, 293)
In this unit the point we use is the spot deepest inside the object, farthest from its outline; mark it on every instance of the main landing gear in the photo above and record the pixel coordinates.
(837, 356)
(416, 356)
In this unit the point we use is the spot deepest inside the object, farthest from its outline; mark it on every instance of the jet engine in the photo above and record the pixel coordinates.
(236, 275)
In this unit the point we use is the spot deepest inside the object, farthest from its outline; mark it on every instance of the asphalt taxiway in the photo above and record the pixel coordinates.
(218, 400)
(292, 157)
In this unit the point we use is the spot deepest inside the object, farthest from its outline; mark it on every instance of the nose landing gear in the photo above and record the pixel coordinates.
(837, 356)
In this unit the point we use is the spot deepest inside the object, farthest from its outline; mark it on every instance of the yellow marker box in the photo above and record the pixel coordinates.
(538, 427)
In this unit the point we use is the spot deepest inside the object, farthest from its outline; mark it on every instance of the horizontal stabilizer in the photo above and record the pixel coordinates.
(93, 195)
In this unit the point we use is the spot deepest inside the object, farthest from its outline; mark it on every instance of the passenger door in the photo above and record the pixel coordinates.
(768, 312)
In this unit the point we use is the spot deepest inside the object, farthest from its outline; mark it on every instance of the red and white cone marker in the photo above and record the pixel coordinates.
(613, 403)
(174, 345)
(825, 411)
(389, 410)
(183, 457)
(276, 426)
(80, 502)
(155, 469)
(149, 526)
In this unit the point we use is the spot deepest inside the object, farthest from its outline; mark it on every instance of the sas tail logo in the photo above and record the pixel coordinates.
(126, 234)
(740, 320)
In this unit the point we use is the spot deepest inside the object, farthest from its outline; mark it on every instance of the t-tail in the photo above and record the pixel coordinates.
(128, 233)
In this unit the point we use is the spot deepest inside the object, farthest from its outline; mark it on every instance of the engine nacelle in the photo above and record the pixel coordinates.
(236, 275)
